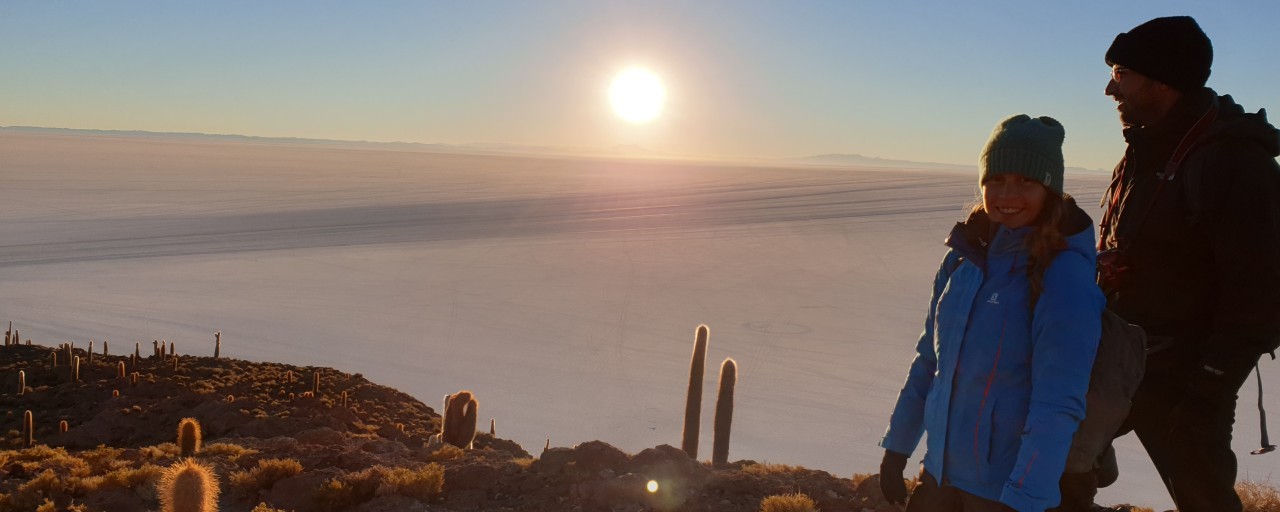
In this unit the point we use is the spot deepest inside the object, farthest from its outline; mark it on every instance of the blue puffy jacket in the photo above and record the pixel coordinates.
(998, 389)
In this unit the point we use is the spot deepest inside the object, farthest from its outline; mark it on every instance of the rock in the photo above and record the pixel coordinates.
(384, 446)
(481, 477)
(298, 493)
(322, 435)
(596, 456)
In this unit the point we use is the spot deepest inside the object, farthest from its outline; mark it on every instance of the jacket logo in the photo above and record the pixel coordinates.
(995, 299)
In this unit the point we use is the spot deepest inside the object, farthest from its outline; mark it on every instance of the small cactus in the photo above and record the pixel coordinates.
(173, 352)
(22, 382)
(75, 369)
(89, 355)
(315, 383)
(133, 379)
(232, 398)
(104, 348)
(724, 412)
(693, 398)
(459, 426)
(188, 486)
(493, 427)
(344, 399)
(175, 362)
(115, 393)
(63, 426)
(120, 371)
(28, 429)
(53, 359)
(137, 351)
(188, 437)
(217, 344)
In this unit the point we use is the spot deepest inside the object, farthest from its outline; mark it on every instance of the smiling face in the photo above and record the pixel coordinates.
(1141, 101)
(1013, 200)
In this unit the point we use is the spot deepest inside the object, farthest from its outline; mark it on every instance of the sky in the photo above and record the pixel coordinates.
(909, 80)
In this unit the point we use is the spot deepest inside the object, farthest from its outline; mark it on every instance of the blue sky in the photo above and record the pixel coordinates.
(922, 81)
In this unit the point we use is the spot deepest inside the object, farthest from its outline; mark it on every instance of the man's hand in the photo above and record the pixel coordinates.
(891, 483)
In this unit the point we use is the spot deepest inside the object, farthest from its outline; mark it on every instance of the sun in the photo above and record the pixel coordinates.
(637, 95)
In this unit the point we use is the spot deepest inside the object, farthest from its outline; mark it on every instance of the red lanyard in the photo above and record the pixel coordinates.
(1170, 171)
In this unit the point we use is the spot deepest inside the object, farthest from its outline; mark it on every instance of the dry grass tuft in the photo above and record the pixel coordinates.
(226, 450)
(160, 451)
(263, 507)
(423, 483)
(352, 489)
(265, 475)
(767, 469)
(795, 502)
(1258, 496)
(446, 452)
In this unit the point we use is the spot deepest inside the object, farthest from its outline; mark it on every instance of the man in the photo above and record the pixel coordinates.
(1190, 251)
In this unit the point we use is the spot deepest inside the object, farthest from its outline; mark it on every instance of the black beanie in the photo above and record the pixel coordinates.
(1171, 50)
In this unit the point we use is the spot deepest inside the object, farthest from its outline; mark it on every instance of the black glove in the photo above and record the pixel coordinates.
(891, 483)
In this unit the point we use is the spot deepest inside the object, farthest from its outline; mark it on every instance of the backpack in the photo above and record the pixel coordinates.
(1117, 371)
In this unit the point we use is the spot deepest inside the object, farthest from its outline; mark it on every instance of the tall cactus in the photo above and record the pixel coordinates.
(315, 383)
(459, 427)
(188, 437)
(75, 369)
(89, 355)
(188, 486)
(724, 412)
(22, 382)
(104, 348)
(693, 400)
(28, 429)
(217, 344)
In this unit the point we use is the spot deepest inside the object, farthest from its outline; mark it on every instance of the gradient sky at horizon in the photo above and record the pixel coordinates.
(921, 81)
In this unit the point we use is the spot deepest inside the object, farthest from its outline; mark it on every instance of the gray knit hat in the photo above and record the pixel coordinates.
(1027, 147)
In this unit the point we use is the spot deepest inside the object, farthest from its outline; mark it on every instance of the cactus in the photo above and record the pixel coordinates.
(120, 371)
(459, 426)
(137, 352)
(104, 348)
(63, 426)
(175, 362)
(133, 379)
(173, 352)
(53, 359)
(217, 344)
(493, 427)
(115, 393)
(188, 437)
(90, 353)
(22, 382)
(28, 429)
(724, 412)
(75, 369)
(344, 399)
(315, 383)
(188, 486)
(693, 399)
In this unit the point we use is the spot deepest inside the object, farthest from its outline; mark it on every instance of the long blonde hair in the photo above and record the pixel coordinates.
(1046, 239)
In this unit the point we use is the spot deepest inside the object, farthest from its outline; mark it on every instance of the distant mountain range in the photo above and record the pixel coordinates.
(622, 150)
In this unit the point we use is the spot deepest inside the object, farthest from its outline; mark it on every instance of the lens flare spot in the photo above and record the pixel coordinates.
(653, 486)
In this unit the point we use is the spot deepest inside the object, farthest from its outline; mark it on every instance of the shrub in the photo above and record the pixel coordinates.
(446, 452)
(423, 483)
(1258, 496)
(795, 502)
(227, 450)
(265, 475)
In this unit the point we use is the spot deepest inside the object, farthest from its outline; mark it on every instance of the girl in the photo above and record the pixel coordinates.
(1002, 367)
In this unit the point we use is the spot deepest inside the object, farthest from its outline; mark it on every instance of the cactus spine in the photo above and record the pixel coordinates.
(188, 437)
(28, 429)
(724, 412)
(188, 486)
(217, 344)
(459, 427)
(693, 400)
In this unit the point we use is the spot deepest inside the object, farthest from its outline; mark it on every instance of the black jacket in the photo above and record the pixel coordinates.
(1203, 254)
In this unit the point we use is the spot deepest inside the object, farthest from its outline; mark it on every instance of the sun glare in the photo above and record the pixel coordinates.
(637, 95)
